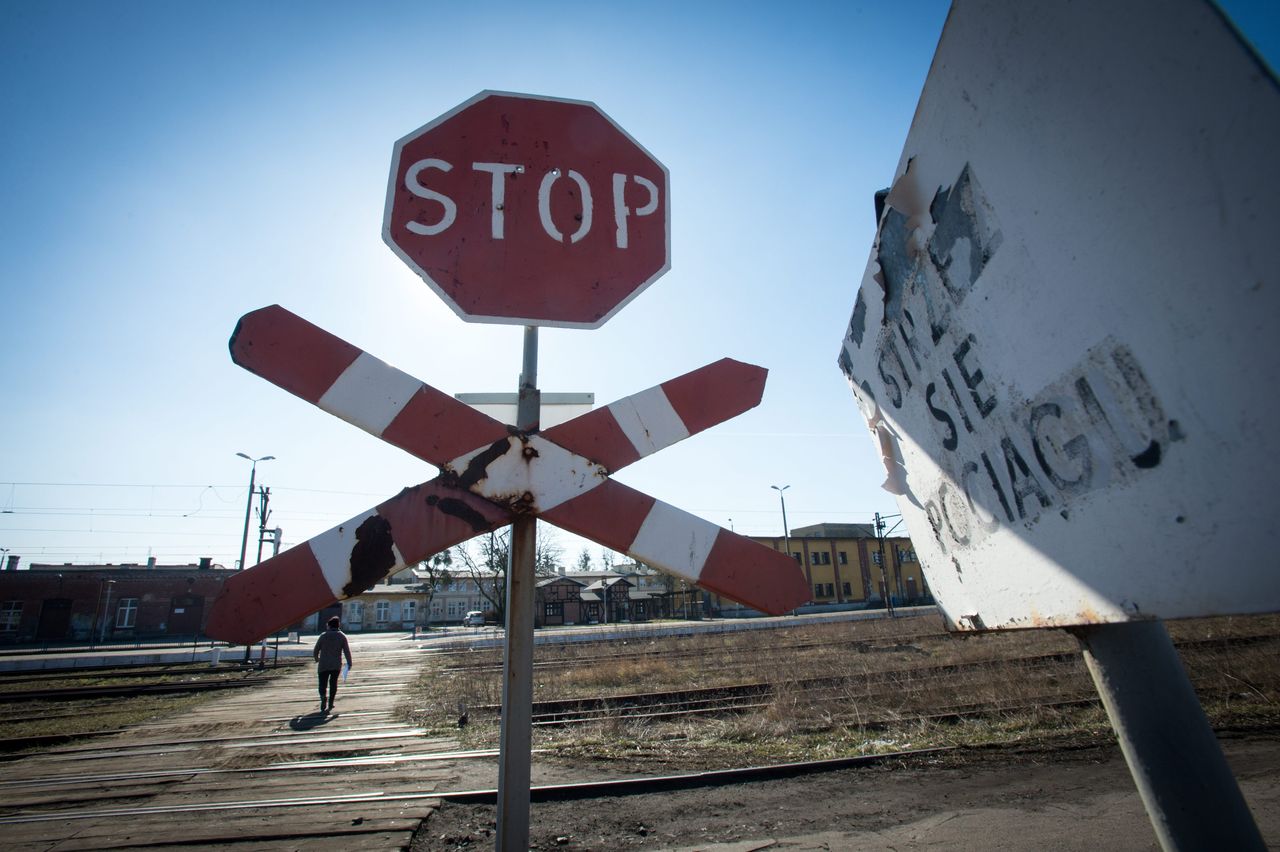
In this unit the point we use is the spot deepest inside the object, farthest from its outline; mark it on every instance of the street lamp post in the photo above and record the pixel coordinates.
(786, 532)
(248, 508)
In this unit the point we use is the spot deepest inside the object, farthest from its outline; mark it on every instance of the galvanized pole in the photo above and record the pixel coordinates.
(1184, 780)
(786, 531)
(517, 667)
(248, 511)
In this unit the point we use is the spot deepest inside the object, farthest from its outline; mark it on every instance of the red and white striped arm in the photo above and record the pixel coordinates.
(685, 546)
(536, 473)
(349, 383)
(641, 424)
(348, 559)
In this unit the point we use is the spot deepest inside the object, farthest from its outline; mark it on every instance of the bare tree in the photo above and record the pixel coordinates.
(485, 558)
(437, 571)
(606, 558)
(546, 562)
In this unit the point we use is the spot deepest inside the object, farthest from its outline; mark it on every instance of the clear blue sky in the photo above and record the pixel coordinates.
(167, 167)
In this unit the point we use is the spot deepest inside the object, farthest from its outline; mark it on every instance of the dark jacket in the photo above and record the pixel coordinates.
(330, 648)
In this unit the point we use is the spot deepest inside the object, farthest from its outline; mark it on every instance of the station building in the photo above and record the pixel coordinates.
(629, 593)
(847, 566)
(107, 603)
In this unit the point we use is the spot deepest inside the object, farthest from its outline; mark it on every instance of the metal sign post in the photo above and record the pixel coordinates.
(1184, 780)
(522, 210)
(517, 666)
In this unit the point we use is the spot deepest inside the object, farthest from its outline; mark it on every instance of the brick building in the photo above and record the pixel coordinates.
(104, 603)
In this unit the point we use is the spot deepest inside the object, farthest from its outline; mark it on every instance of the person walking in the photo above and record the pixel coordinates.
(331, 647)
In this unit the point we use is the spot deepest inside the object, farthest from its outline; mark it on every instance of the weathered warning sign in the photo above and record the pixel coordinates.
(1063, 341)
(491, 473)
(529, 210)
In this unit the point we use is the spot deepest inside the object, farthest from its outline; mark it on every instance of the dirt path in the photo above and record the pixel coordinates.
(1063, 799)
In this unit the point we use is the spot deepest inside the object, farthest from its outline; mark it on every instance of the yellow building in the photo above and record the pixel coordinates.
(846, 564)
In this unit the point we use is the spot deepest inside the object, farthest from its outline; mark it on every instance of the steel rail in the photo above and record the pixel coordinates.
(74, 693)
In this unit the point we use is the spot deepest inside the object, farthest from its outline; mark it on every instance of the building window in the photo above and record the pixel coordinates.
(844, 558)
(639, 605)
(410, 610)
(355, 612)
(796, 557)
(831, 590)
(382, 611)
(127, 613)
(846, 589)
(553, 609)
(10, 616)
(817, 590)
(875, 557)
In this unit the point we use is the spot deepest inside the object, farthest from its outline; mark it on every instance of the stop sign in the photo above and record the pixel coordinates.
(529, 210)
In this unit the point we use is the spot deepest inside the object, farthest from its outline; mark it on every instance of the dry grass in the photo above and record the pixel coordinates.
(889, 684)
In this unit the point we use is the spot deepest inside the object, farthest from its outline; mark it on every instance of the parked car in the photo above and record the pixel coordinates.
(475, 618)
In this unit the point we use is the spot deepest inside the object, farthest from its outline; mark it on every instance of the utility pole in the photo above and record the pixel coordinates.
(248, 507)
(264, 498)
(884, 577)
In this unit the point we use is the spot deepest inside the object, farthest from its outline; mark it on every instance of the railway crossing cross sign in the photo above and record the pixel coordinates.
(529, 210)
(491, 473)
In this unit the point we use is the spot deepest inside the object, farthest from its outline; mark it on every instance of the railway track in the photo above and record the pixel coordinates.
(747, 696)
(259, 766)
(79, 693)
(540, 793)
(893, 696)
(552, 657)
(247, 766)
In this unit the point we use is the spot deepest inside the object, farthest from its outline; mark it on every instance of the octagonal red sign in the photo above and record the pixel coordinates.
(529, 210)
